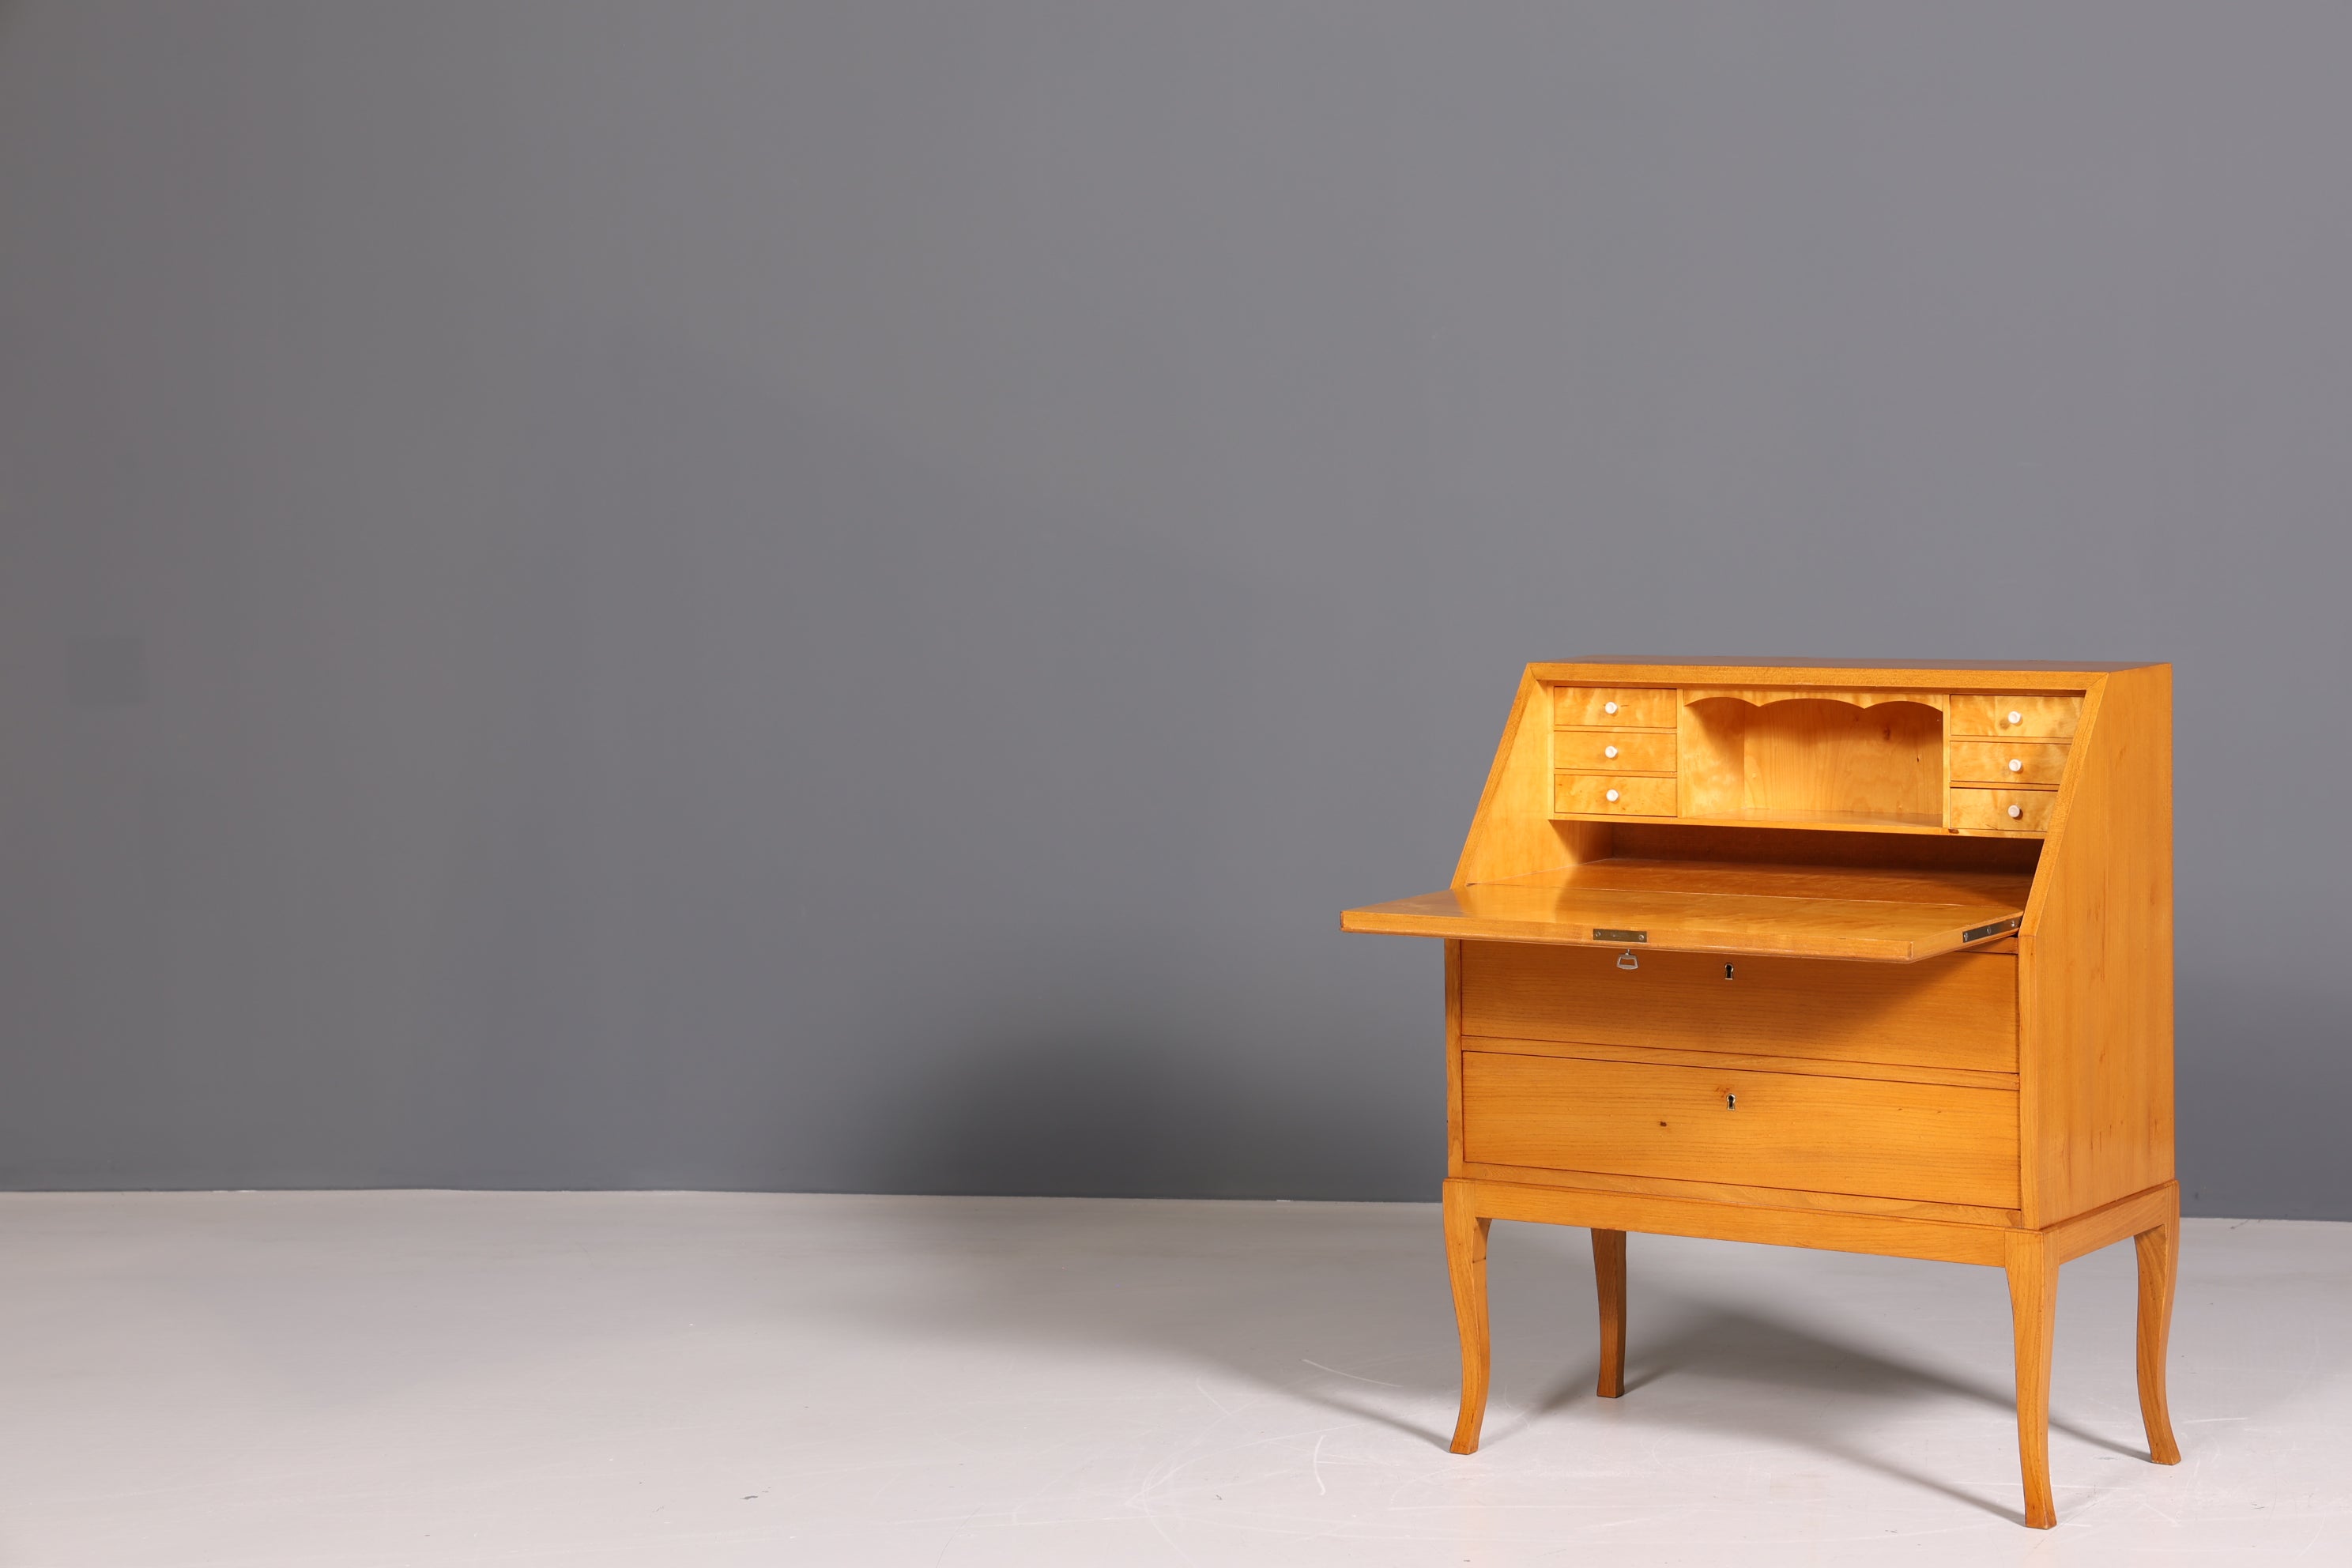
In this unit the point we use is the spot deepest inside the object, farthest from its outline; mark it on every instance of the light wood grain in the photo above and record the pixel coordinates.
(1854, 1083)
(1738, 1193)
(1851, 696)
(1930, 1142)
(1816, 1067)
(1513, 831)
(2002, 810)
(1614, 706)
(1609, 1283)
(2159, 1262)
(2111, 1223)
(1560, 907)
(1934, 676)
(1828, 1230)
(2032, 1268)
(1453, 959)
(1908, 825)
(1863, 881)
(1747, 843)
(1802, 757)
(1466, 1262)
(2008, 762)
(1613, 750)
(2095, 962)
(1614, 795)
(2040, 718)
(1955, 1012)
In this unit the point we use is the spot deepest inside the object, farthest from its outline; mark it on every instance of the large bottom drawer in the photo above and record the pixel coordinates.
(1930, 1143)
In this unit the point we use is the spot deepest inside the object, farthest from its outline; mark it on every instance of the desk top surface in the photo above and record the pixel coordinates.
(1967, 674)
(1802, 911)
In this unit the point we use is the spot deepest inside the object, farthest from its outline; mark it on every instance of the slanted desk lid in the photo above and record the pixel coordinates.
(1809, 911)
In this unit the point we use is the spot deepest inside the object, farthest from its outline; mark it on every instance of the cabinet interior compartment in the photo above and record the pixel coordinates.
(1813, 759)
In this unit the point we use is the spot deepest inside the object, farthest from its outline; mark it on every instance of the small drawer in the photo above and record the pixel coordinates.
(2008, 762)
(2003, 810)
(2044, 718)
(1617, 795)
(1614, 792)
(1614, 751)
(1608, 708)
(1927, 1141)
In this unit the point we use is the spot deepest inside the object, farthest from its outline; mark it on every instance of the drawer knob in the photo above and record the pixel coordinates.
(2017, 764)
(2015, 717)
(1613, 795)
(2017, 811)
(1607, 750)
(1609, 707)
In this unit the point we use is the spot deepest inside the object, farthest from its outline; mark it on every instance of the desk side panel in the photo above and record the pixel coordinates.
(2095, 964)
(1454, 1059)
(1513, 833)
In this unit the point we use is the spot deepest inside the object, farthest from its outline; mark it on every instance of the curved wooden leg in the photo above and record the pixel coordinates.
(2033, 1312)
(1609, 1277)
(2159, 1264)
(1465, 1259)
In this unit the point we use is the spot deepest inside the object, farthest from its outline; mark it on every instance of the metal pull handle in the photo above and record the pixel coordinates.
(1626, 960)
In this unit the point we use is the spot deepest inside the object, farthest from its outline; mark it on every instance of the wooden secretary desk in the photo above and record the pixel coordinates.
(1874, 958)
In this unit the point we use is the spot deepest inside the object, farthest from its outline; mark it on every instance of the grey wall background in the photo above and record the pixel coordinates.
(835, 596)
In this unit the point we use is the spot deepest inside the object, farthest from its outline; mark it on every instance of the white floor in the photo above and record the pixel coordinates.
(688, 1380)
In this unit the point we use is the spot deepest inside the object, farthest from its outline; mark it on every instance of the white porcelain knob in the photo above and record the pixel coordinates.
(1612, 795)
(2017, 811)
(1607, 750)
(2017, 764)
(2015, 717)
(1609, 707)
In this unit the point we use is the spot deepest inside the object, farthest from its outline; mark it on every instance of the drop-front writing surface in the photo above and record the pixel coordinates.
(1866, 957)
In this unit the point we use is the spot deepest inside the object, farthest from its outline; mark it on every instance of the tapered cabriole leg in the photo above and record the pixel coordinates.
(1465, 1258)
(1609, 1280)
(2034, 1311)
(2160, 1265)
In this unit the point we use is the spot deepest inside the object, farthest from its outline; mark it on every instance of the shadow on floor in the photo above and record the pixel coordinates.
(1808, 1372)
(1347, 1307)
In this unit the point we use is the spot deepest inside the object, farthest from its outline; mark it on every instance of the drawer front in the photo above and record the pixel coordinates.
(2003, 810)
(1609, 707)
(1614, 751)
(2008, 762)
(2044, 718)
(1622, 794)
(1957, 1011)
(1929, 1142)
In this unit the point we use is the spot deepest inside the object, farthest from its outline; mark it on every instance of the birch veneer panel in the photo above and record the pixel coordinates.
(1869, 957)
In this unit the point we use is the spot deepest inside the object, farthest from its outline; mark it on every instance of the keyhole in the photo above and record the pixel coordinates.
(1731, 1102)
(1727, 972)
